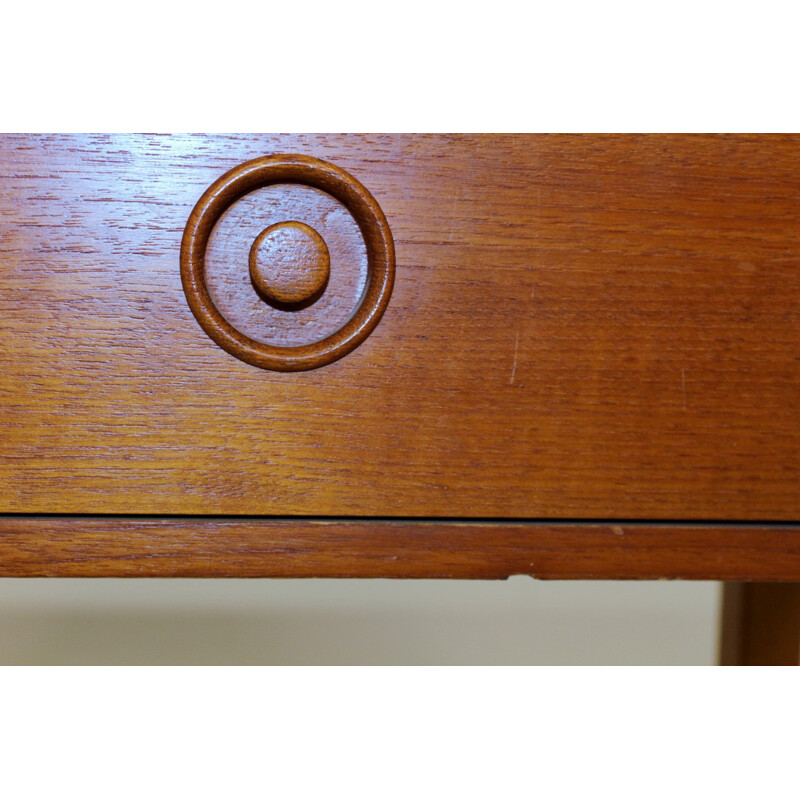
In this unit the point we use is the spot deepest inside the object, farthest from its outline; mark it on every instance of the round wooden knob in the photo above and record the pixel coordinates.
(290, 265)
(289, 261)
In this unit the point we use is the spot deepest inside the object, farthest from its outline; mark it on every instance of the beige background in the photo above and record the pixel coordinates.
(519, 621)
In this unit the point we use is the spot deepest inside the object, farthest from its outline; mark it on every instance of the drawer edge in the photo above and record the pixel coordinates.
(168, 547)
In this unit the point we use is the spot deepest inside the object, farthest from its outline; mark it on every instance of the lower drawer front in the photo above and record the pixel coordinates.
(580, 327)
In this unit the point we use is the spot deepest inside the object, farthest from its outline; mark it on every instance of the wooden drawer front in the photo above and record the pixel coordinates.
(580, 327)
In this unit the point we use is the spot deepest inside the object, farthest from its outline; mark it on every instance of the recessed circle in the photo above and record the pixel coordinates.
(290, 264)
(311, 172)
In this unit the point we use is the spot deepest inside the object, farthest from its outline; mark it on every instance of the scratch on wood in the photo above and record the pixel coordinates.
(514, 365)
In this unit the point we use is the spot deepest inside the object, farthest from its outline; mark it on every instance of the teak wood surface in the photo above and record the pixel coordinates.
(581, 328)
(313, 548)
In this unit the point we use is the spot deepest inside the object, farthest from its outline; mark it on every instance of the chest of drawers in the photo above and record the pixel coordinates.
(397, 355)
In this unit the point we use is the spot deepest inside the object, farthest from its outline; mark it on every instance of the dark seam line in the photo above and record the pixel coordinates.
(410, 519)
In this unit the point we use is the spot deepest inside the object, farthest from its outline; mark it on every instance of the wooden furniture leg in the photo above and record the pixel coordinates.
(760, 624)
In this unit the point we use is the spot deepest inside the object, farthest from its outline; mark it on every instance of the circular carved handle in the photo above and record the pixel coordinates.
(283, 283)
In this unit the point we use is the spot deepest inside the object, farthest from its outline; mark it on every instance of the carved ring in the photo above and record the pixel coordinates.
(321, 175)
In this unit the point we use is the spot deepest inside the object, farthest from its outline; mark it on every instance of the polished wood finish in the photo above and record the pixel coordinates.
(271, 171)
(581, 326)
(760, 624)
(303, 548)
(289, 264)
(230, 282)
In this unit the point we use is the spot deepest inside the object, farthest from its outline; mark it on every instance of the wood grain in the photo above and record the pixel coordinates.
(581, 326)
(289, 264)
(230, 246)
(274, 170)
(292, 548)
